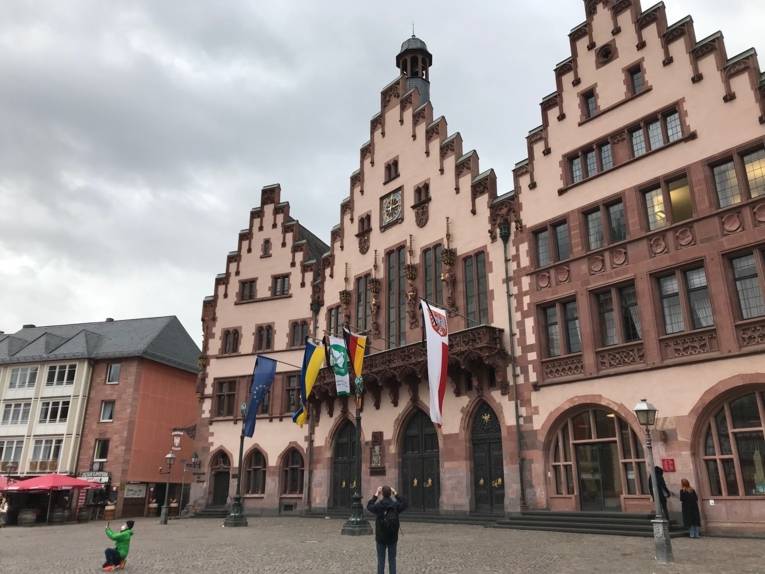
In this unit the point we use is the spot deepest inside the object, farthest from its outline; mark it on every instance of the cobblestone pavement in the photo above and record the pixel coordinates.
(308, 546)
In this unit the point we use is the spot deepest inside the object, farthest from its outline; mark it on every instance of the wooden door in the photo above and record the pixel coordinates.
(488, 466)
(344, 467)
(220, 488)
(420, 470)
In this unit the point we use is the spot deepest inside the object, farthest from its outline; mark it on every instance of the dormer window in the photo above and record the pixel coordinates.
(422, 193)
(391, 170)
(365, 223)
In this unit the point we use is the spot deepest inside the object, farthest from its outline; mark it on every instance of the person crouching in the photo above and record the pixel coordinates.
(117, 556)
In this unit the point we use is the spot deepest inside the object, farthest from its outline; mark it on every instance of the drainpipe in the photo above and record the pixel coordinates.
(504, 233)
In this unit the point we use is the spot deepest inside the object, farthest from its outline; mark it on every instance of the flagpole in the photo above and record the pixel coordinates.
(236, 517)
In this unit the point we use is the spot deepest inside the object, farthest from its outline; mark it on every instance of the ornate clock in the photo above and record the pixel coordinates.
(390, 208)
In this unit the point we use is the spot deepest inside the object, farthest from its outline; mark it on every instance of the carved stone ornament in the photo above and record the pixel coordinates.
(621, 357)
(345, 302)
(596, 264)
(363, 241)
(619, 257)
(752, 334)
(658, 245)
(684, 237)
(731, 222)
(449, 277)
(759, 213)
(562, 274)
(543, 280)
(412, 301)
(564, 367)
(374, 305)
(422, 213)
(688, 345)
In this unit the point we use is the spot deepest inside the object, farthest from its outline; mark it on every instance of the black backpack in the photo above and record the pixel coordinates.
(390, 523)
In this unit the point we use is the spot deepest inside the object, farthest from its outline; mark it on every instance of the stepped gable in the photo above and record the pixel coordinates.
(648, 24)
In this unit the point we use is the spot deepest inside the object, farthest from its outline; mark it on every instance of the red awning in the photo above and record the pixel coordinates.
(5, 482)
(51, 482)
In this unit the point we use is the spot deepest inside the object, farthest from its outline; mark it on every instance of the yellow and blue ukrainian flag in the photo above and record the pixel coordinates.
(313, 361)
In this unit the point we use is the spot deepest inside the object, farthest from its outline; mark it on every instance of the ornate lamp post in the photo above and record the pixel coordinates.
(357, 525)
(169, 460)
(646, 415)
(236, 517)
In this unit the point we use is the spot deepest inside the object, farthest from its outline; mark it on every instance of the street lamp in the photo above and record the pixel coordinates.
(357, 525)
(236, 517)
(169, 460)
(646, 415)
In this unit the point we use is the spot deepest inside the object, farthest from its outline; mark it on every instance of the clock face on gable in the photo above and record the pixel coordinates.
(391, 208)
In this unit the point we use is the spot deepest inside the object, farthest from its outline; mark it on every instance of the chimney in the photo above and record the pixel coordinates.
(28, 326)
(109, 320)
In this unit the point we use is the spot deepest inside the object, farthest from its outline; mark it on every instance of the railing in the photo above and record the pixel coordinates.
(43, 465)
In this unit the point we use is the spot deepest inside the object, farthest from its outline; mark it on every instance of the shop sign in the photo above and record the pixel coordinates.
(668, 464)
(177, 435)
(99, 476)
(135, 491)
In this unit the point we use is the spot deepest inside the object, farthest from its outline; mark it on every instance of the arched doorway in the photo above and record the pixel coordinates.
(488, 470)
(420, 473)
(220, 468)
(598, 463)
(344, 464)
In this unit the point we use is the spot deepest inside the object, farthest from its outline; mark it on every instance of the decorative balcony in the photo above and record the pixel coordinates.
(689, 344)
(563, 367)
(620, 356)
(470, 350)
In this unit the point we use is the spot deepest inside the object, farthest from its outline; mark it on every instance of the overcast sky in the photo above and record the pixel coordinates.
(135, 136)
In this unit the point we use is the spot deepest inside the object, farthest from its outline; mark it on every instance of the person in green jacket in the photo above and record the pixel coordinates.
(116, 557)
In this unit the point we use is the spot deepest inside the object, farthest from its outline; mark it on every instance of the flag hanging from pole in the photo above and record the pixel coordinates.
(338, 360)
(262, 379)
(313, 360)
(436, 331)
(357, 346)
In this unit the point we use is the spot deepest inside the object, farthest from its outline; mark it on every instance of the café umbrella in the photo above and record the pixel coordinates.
(49, 483)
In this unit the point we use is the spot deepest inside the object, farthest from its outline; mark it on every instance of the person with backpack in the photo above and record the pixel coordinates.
(386, 511)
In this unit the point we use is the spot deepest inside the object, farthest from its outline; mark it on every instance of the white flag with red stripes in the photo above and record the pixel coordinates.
(436, 331)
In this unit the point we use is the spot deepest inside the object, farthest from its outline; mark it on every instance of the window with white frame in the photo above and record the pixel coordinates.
(23, 378)
(59, 375)
(16, 413)
(113, 373)
(100, 453)
(47, 449)
(107, 411)
(10, 451)
(54, 411)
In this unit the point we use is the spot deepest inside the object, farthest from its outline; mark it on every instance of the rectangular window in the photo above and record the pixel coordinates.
(10, 451)
(617, 223)
(655, 137)
(638, 142)
(654, 205)
(298, 333)
(726, 184)
(750, 299)
(100, 453)
(280, 285)
(606, 157)
(434, 290)
(594, 229)
(59, 375)
(754, 164)
(698, 298)
(607, 319)
(630, 314)
(562, 241)
(670, 304)
(618, 315)
(333, 321)
(363, 309)
(680, 200)
(577, 174)
(225, 397)
(636, 80)
(54, 411)
(265, 404)
(476, 302)
(551, 330)
(292, 393)
(591, 162)
(247, 290)
(396, 297)
(673, 126)
(113, 373)
(264, 337)
(107, 411)
(16, 413)
(572, 327)
(543, 247)
(590, 103)
(23, 378)
(48, 450)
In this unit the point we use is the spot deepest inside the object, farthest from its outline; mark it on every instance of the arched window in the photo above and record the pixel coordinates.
(265, 250)
(292, 472)
(255, 465)
(220, 460)
(734, 447)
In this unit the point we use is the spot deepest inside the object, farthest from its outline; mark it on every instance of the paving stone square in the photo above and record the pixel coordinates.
(309, 545)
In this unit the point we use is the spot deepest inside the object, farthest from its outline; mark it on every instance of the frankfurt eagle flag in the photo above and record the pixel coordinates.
(436, 331)
(340, 363)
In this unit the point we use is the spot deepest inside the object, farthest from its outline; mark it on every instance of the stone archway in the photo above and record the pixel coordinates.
(220, 478)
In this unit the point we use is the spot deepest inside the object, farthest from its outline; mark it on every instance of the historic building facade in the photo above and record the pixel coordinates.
(639, 258)
(626, 263)
(414, 225)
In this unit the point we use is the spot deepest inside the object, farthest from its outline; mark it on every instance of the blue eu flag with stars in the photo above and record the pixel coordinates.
(262, 379)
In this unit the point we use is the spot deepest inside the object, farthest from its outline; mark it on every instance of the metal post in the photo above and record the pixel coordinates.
(183, 484)
(357, 525)
(236, 517)
(163, 516)
(662, 540)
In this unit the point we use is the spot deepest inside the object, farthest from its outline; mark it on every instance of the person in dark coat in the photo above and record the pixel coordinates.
(691, 515)
(386, 511)
(664, 492)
